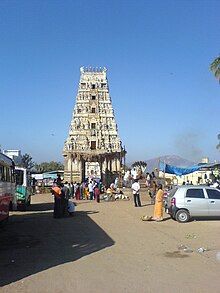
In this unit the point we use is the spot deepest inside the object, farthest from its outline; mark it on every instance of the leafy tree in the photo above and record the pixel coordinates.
(215, 68)
(27, 161)
(139, 164)
(49, 166)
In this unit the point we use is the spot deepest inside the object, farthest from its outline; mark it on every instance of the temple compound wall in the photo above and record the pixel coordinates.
(93, 147)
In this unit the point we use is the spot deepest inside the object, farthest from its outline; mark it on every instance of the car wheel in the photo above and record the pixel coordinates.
(182, 216)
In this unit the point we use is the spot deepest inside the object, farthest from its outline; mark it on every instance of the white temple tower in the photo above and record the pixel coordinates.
(93, 147)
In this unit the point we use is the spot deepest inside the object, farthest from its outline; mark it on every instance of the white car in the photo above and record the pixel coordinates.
(187, 201)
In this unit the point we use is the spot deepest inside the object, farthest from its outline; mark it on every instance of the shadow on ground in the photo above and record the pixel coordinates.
(34, 242)
(205, 219)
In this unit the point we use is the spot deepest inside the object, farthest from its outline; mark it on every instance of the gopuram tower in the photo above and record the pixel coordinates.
(93, 147)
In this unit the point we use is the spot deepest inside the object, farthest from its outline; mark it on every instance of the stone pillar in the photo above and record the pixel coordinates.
(107, 164)
(104, 164)
(101, 166)
(66, 168)
(83, 169)
(71, 168)
(75, 165)
(79, 165)
(110, 165)
(118, 165)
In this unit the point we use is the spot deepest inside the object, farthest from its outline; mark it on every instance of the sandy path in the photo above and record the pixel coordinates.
(106, 248)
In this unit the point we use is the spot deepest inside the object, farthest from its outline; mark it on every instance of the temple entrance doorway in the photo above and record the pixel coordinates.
(92, 170)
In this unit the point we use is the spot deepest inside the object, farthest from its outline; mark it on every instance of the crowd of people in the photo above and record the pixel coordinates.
(64, 193)
(91, 189)
(156, 193)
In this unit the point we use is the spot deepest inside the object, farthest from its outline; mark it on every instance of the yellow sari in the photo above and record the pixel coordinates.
(86, 192)
(158, 207)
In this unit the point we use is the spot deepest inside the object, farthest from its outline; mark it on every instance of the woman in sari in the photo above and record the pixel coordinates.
(97, 193)
(158, 207)
(86, 192)
(77, 192)
(58, 211)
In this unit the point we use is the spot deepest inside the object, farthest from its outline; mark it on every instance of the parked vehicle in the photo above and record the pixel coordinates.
(7, 187)
(185, 202)
(23, 187)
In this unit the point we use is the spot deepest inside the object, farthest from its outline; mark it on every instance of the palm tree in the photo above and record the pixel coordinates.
(215, 68)
(140, 165)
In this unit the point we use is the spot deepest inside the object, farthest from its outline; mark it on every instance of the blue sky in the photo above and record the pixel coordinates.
(157, 53)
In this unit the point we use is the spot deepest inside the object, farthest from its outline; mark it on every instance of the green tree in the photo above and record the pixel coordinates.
(215, 68)
(49, 166)
(27, 161)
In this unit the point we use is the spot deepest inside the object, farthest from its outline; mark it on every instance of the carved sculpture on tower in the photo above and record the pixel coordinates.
(93, 147)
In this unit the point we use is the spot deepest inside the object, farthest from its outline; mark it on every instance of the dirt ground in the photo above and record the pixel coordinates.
(105, 247)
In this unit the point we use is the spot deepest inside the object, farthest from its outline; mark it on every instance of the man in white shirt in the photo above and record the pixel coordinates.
(91, 190)
(136, 189)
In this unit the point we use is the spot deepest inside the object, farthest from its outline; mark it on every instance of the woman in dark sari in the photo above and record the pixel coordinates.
(58, 210)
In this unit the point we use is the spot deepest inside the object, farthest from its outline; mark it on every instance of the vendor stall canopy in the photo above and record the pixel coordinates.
(184, 171)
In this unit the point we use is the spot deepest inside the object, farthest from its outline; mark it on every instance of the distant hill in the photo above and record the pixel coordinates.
(171, 160)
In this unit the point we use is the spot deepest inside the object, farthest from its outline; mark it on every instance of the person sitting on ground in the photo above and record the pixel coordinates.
(110, 193)
(112, 186)
(71, 207)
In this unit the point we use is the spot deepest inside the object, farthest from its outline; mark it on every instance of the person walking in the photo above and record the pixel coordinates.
(97, 193)
(153, 191)
(65, 197)
(158, 207)
(77, 191)
(148, 179)
(101, 187)
(136, 193)
(81, 188)
(91, 191)
(34, 181)
(71, 189)
(86, 192)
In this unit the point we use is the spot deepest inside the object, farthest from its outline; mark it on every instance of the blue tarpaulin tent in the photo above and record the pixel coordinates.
(178, 170)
